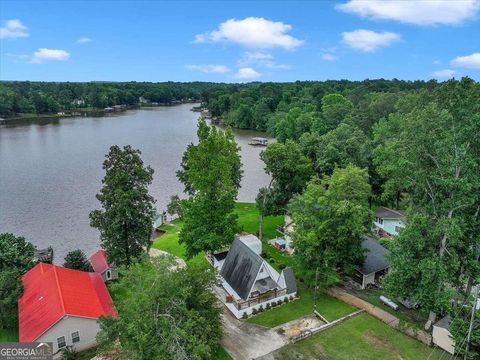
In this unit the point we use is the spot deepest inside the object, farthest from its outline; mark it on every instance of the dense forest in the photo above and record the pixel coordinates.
(25, 97)
(413, 146)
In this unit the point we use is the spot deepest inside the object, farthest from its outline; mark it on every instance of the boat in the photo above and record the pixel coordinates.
(258, 141)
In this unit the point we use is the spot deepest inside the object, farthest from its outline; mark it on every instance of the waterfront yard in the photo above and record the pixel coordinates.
(327, 306)
(363, 338)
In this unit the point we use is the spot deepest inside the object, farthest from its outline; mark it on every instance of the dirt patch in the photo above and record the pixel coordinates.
(296, 327)
(378, 341)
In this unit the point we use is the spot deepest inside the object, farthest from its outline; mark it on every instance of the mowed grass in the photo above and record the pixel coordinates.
(361, 338)
(328, 306)
(8, 335)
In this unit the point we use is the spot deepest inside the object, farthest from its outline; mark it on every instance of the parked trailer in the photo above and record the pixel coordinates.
(388, 302)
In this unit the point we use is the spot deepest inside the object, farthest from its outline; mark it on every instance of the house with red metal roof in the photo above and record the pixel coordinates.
(62, 306)
(101, 266)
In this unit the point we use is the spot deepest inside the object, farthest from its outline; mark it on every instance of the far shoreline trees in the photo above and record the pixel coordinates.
(125, 220)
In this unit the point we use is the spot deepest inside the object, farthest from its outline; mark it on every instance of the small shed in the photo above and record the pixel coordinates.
(100, 265)
(441, 335)
(375, 263)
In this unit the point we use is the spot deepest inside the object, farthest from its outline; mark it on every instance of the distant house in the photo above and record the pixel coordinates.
(441, 335)
(388, 222)
(100, 265)
(248, 280)
(62, 306)
(375, 264)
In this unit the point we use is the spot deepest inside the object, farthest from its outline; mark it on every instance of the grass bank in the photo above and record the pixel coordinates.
(362, 337)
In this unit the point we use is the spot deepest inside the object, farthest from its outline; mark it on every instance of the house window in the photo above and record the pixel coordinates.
(109, 274)
(61, 342)
(379, 220)
(75, 337)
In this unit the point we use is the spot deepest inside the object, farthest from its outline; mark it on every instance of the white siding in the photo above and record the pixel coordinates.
(87, 328)
(441, 338)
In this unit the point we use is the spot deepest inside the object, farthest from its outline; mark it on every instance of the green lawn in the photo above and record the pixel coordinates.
(169, 243)
(8, 335)
(248, 220)
(222, 354)
(328, 306)
(361, 338)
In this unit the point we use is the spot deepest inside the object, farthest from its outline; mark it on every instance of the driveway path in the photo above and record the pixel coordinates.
(245, 341)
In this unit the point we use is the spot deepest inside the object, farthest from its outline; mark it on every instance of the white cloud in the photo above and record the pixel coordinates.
(13, 29)
(328, 57)
(260, 58)
(43, 54)
(469, 61)
(443, 74)
(84, 40)
(252, 32)
(418, 12)
(368, 40)
(209, 68)
(247, 73)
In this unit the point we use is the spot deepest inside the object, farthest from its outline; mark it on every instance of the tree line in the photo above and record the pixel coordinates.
(408, 145)
(17, 97)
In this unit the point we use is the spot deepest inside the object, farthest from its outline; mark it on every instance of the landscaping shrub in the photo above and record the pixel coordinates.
(244, 316)
(268, 306)
(254, 311)
(260, 309)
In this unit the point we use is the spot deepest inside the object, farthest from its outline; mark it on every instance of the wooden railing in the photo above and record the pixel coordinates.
(269, 295)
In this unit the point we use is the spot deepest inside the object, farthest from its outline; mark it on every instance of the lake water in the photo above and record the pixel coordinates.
(51, 170)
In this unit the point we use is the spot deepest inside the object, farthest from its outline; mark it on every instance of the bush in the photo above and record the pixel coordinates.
(77, 260)
(274, 303)
(260, 309)
(291, 297)
(244, 316)
(268, 306)
(254, 311)
(281, 266)
(69, 353)
(286, 300)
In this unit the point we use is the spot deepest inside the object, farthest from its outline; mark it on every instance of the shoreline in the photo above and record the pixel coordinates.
(31, 118)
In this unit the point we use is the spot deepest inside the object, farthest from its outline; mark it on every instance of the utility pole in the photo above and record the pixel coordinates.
(315, 293)
(472, 319)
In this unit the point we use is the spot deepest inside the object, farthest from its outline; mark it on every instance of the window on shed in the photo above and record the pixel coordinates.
(61, 342)
(75, 337)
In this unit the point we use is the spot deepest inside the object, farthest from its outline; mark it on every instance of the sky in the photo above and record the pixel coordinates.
(227, 41)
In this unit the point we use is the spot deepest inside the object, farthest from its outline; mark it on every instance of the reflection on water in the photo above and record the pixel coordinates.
(51, 170)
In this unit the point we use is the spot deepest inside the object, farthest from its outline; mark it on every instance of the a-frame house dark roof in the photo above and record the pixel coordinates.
(241, 268)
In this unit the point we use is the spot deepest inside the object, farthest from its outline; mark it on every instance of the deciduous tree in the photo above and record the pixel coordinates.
(330, 218)
(211, 173)
(125, 220)
(163, 313)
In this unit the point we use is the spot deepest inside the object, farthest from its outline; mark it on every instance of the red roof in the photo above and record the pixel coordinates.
(99, 261)
(51, 292)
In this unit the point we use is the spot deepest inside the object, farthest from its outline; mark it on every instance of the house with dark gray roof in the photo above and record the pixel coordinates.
(248, 280)
(376, 261)
(388, 222)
